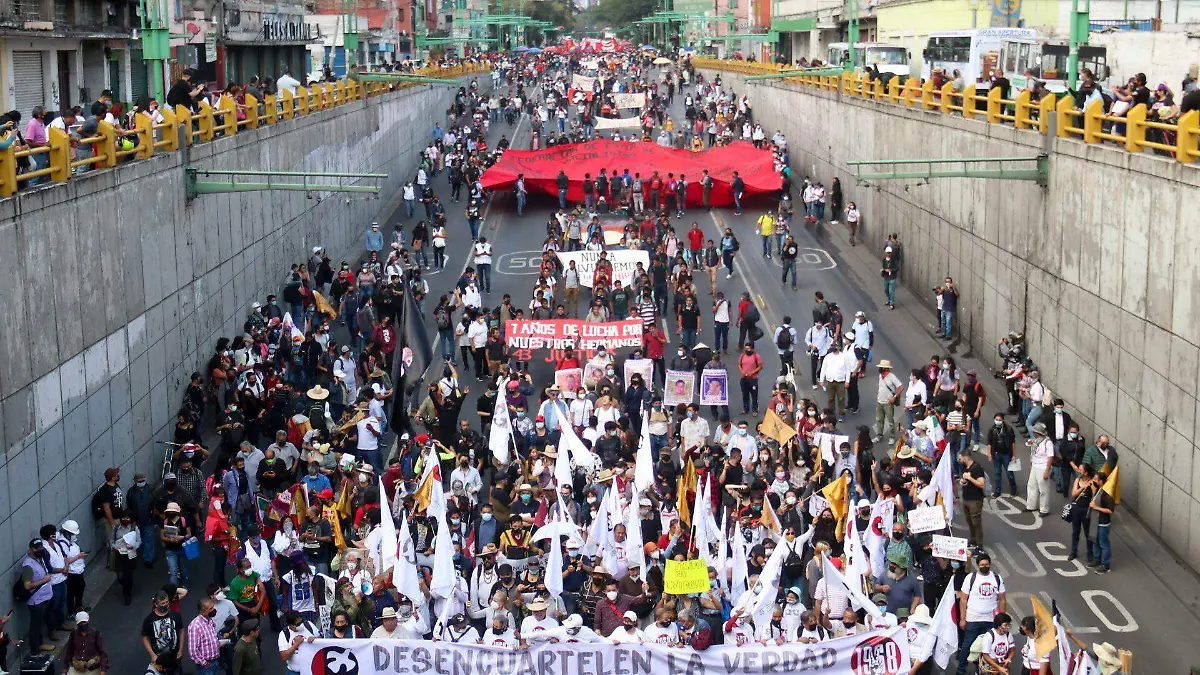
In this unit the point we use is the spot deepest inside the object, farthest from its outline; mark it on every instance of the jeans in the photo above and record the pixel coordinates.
(1035, 413)
(947, 324)
(737, 202)
(485, 276)
(1081, 524)
(211, 669)
(149, 543)
(589, 201)
(889, 291)
(219, 562)
(657, 443)
(750, 394)
(177, 572)
(789, 266)
(721, 336)
(974, 629)
(1102, 550)
(447, 344)
(562, 199)
(1000, 464)
(439, 257)
(474, 223)
(409, 208)
(57, 614)
(766, 241)
(521, 197)
(688, 338)
(728, 256)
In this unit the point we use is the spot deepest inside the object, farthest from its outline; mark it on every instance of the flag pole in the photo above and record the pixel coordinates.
(399, 411)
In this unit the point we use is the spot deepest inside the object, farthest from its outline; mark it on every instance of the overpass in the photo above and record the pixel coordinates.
(1097, 268)
(116, 285)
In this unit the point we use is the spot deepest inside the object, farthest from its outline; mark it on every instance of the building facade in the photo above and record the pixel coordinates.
(63, 53)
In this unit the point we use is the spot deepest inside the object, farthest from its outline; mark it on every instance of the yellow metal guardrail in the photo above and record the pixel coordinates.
(69, 156)
(1134, 131)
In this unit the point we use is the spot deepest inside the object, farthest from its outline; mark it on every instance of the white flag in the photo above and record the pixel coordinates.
(387, 533)
(741, 574)
(855, 592)
(554, 566)
(883, 513)
(942, 484)
(500, 435)
(444, 575)
(945, 632)
(643, 471)
(635, 555)
(404, 574)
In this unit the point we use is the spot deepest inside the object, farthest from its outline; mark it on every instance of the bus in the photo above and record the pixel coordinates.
(1046, 60)
(892, 59)
(975, 53)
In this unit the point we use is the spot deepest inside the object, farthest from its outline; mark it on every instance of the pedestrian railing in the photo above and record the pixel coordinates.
(113, 145)
(1134, 130)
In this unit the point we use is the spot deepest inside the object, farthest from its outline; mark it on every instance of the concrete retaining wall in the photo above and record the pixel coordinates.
(1099, 270)
(114, 289)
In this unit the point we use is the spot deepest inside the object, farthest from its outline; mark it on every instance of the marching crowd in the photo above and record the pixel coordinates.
(561, 515)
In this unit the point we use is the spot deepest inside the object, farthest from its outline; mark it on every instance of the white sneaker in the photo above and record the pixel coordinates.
(728, 276)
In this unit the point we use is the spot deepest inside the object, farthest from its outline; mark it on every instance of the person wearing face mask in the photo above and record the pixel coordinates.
(693, 429)
(162, 629)
(342, 628)
(500, 633)
(663, 631)
(981, 598)
(745, 443)
(458, 631)
(612, 606)
(139, 502)
(205, 643)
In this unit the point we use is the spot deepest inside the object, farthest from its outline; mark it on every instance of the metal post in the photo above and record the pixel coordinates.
(853, 33)
(1080, 25)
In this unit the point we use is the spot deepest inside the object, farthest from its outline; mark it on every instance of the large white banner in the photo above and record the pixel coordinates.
(581, 82)
(881, 652)
(629, 100)
(624, 264)
(603, 123)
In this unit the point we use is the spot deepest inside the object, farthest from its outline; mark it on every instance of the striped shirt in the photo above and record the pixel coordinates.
(204, 646)
(648, 313)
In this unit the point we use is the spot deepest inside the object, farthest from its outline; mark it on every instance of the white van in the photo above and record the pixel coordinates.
(974, 53)
(888, 58)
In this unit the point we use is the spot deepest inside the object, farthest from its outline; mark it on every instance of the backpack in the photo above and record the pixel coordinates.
(784, 341)
(753, 316)
(20, 593)
(793, 565)
(443, 319)
(737, 246)
(97, 504)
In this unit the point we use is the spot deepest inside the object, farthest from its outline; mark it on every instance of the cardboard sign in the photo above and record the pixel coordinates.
(927, 519)
(950, 548)
(681, 577)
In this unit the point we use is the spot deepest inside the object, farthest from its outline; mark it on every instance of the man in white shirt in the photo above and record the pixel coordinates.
(534, 626)
(477, 335)
(981, 597)
(287, 83)
(469, 477)
(580, 410)
(663, 631)
(1038, 486)
(836, 368)
(499, 634)
(483, 264)
(818, 340)
(369, 432)
(628, 632)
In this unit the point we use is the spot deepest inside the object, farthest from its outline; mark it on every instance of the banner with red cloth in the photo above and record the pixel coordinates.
(756, 168)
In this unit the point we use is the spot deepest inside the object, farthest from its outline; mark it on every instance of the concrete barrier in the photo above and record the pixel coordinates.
(1098, 269)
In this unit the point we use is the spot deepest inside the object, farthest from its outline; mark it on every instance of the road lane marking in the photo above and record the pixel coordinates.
(519, 263)
(1130, 624)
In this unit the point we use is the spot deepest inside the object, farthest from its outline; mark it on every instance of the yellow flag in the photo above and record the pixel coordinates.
(1113, 485)
(335, 524)
(774, 427)
(323, 305)
(837, 494)
(769, 519)
(687, 483)
(1045, 634)
(344, 503)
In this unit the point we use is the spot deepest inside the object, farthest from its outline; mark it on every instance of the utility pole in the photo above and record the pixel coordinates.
(853, 32)
(156, 42)
(1080, 27)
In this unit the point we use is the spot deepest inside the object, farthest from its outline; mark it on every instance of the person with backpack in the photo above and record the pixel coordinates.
(33, 587)
(981, 599)
(785, 342)
(995, 647)
(747, 321)
(443, 316)
(729, 249)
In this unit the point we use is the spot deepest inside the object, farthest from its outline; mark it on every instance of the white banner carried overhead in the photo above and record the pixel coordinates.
(629, 100)
(624, 263)
(581, 82)
(618, 123)
(880, 652)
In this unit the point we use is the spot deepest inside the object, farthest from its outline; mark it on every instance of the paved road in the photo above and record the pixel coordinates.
(1149, 603)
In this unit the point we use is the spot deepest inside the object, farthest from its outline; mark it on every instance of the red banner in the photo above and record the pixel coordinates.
(541, 167)
(584, 336)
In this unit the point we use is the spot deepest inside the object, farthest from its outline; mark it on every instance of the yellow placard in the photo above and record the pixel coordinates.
(682, 577)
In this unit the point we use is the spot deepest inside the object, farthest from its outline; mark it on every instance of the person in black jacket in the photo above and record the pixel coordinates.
(1001, 447)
